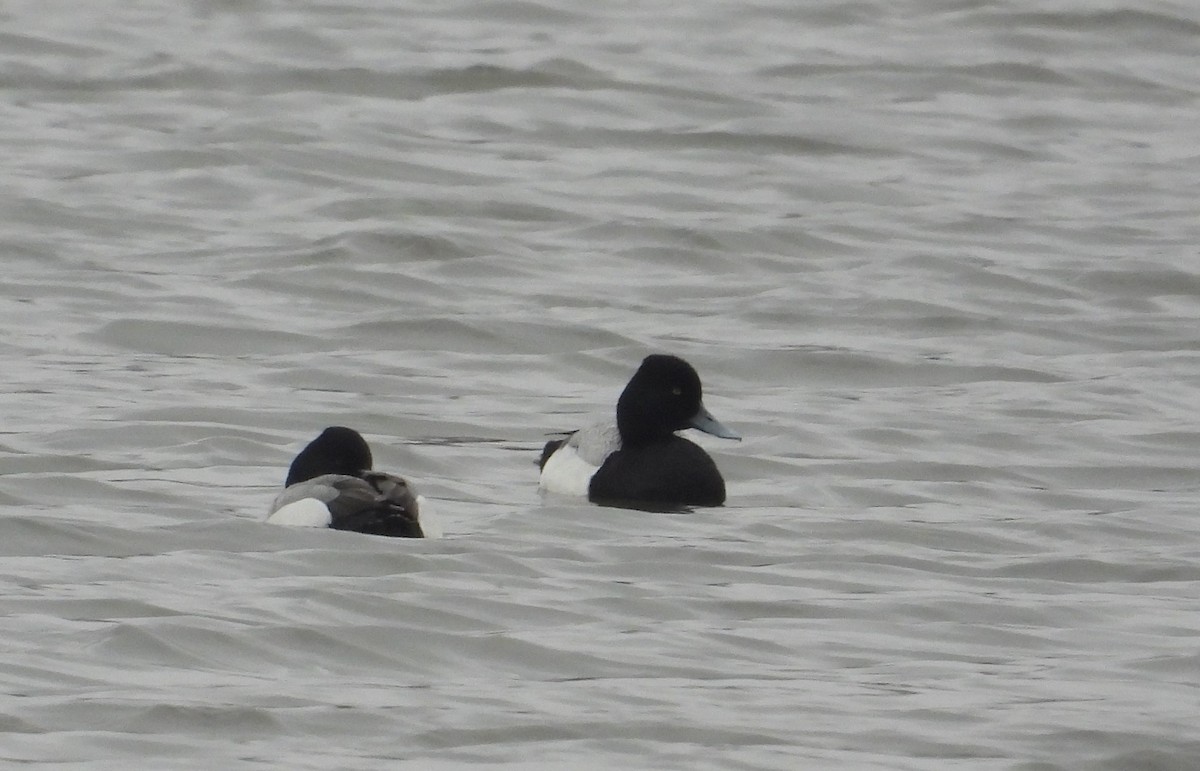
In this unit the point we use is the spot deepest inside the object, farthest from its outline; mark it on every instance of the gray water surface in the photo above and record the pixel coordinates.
(935, 260)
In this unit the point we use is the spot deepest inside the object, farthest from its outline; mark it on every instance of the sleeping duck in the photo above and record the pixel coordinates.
(639, 461)
(331, 484)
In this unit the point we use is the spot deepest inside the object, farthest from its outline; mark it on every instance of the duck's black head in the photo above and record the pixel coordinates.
(338, 450)
(662, 397)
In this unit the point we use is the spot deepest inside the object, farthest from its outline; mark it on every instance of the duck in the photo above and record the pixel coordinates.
(331, 483)
(638, 461)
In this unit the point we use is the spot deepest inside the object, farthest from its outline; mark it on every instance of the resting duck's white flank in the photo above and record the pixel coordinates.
(638, 460)
(331, 484)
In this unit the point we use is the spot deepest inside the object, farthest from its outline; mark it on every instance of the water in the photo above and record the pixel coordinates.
(935, 260)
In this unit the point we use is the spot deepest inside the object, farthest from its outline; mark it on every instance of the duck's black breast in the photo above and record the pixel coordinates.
(671, 472)
(375, 503)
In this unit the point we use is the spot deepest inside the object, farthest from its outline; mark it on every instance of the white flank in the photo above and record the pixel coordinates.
(306, 512)
(567, 473)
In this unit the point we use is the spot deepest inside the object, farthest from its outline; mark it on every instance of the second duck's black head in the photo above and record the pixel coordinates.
(338, 450)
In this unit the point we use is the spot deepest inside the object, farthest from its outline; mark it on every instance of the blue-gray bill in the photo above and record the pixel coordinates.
(704, 421)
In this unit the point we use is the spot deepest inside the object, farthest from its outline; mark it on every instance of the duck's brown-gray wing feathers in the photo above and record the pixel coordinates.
(375, 503)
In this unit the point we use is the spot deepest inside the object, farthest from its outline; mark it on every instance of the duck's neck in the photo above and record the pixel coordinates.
(638, 425)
